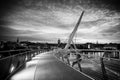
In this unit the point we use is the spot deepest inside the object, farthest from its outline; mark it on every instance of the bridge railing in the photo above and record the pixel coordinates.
(7, 53)
(13, 62)
(110, 66)
(106, 66)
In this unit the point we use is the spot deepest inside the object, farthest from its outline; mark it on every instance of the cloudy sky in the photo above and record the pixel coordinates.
(48, 20)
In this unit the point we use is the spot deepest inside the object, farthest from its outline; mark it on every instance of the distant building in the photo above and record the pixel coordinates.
(110, 47)
(59, 42)
(89, 45)
(17, 40)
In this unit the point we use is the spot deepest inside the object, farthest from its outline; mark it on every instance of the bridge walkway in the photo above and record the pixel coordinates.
(46, 66)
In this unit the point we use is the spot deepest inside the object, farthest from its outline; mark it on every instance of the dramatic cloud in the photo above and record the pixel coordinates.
(48, 20)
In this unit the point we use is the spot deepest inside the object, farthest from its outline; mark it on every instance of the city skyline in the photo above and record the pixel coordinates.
(50, 20)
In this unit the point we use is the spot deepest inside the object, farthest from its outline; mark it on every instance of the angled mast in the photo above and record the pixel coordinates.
(73, 32)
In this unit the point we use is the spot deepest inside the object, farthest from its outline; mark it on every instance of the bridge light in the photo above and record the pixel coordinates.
(26, 58)
(12, 68)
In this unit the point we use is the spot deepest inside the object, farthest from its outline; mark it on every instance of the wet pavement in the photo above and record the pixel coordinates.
(47, 67)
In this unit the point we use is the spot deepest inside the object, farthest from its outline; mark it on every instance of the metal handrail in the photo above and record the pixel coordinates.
(13, 50)
(8, 53)
(14, 55)
(95, 50)
(10, 64)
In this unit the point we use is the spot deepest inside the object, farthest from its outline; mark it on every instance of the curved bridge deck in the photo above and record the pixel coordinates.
(46, 66)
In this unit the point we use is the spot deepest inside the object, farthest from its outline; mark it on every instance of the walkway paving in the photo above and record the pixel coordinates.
(47, 67)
